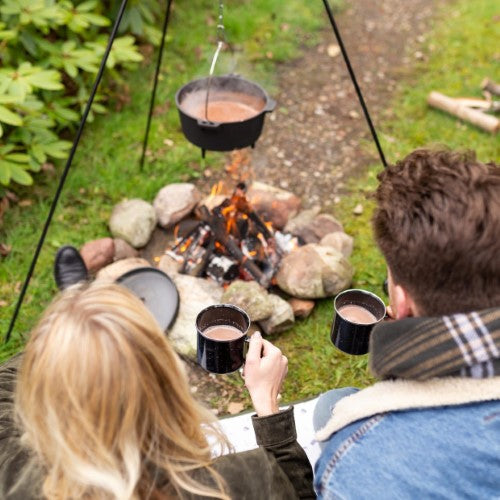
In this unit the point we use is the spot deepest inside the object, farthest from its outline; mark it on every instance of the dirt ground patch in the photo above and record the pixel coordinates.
(312, 142)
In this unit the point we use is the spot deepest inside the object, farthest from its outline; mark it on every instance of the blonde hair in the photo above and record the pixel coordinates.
(105, 403)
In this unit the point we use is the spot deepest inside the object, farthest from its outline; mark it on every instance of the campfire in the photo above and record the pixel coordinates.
(230, 241)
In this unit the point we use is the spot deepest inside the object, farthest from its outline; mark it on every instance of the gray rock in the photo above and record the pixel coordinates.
(123, 250)
(273, 204)
(133, 221)
(301, 308)
(340, 241)
(98, 253)
(302, 219)
(282, 317)
(120, 267)
(251, 297)
(174, 201)
(169, 265)
(358, 209)
(213, 200)
(195, 294)
(314, 271)
(319, 227)
(337, 270)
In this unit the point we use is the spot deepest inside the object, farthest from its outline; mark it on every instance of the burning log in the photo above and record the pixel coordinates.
(239, 200)
(222, 268)
(218, 225)
(230, 240)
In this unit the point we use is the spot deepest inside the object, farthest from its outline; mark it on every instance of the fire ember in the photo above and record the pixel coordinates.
(230, 242)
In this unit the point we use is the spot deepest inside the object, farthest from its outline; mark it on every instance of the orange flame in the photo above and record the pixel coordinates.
(217, 188)
(185, 245)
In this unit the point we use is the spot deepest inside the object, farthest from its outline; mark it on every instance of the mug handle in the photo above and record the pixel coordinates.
(246, 345)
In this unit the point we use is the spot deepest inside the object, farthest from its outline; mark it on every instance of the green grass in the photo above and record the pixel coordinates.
(458, 55)
(105, 169)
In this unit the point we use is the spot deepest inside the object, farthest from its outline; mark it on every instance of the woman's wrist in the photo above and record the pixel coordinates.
(265, 406)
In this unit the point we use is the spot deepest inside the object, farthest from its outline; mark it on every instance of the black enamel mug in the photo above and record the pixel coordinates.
(221, 356)
(351, 334)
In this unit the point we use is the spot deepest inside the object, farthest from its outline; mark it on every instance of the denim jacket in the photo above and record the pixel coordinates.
(432, 428)
(450, 451)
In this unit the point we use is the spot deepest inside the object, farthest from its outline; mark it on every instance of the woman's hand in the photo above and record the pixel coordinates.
(264, 372)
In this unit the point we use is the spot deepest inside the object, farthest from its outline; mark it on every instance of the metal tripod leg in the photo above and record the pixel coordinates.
(354, 81)
(155, 83)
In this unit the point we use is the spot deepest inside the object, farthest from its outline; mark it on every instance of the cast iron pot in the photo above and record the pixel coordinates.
(222, 136)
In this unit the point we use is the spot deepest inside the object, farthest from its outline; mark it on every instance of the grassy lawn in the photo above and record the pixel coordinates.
(105, 169)
(457, 58)
(458, 55)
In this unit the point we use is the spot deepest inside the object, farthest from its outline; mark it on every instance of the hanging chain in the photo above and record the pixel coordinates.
(221, 41)
(221, 31)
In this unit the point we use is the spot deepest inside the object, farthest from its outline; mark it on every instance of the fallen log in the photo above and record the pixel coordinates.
(482, 104)
(454, 107)
(490, 86)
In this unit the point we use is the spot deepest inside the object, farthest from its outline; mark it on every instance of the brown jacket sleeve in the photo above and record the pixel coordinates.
(278, 436)
(278, 470)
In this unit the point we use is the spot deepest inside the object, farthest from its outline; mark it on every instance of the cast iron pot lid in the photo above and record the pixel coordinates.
(156, 290)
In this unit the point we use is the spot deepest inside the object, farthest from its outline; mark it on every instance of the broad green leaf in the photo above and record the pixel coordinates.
(135, 21)
(18, 89)
(99, 108)
(1, 130)
(5, 81)
(34, 166)
(8, 34)
(57, 149)
(38, 153)
(88, 66)
(4, 173)
(9, 117)
(70, 69)
(19, 175)
(78, 24)
(48, 79)
(42, 134)
(7, 149)
(87, 6)
(31, 105)
(68, 46)
(29, 43)
(9, 99)
(18, 157)
(66, 114)
(96, 20)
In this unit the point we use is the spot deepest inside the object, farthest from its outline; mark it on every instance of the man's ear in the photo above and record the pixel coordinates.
(401, 302)
(402, 305)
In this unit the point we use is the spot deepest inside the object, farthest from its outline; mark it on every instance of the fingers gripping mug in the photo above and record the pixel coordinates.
(221, 333)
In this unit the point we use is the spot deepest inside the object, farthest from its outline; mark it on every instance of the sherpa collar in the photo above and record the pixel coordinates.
(404, 395)
(434, 361)
(461, 345)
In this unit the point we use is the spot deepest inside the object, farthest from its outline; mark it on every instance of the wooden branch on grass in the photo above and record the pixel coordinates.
(490, 86)
(455, 107)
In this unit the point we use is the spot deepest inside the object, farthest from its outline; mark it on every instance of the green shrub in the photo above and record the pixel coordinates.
(50, 52)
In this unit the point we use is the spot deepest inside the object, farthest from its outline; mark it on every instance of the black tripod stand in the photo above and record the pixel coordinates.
(97, 81)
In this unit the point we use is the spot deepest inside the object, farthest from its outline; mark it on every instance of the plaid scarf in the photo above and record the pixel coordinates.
(461, 345)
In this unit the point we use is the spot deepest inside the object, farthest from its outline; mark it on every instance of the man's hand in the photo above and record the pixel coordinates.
(264, 372)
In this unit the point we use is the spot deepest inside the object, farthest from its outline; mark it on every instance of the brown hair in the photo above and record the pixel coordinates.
(104, 402)
(437, 222)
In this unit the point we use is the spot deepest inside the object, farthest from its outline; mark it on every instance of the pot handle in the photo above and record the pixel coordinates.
(270, 105)
(207, 124)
